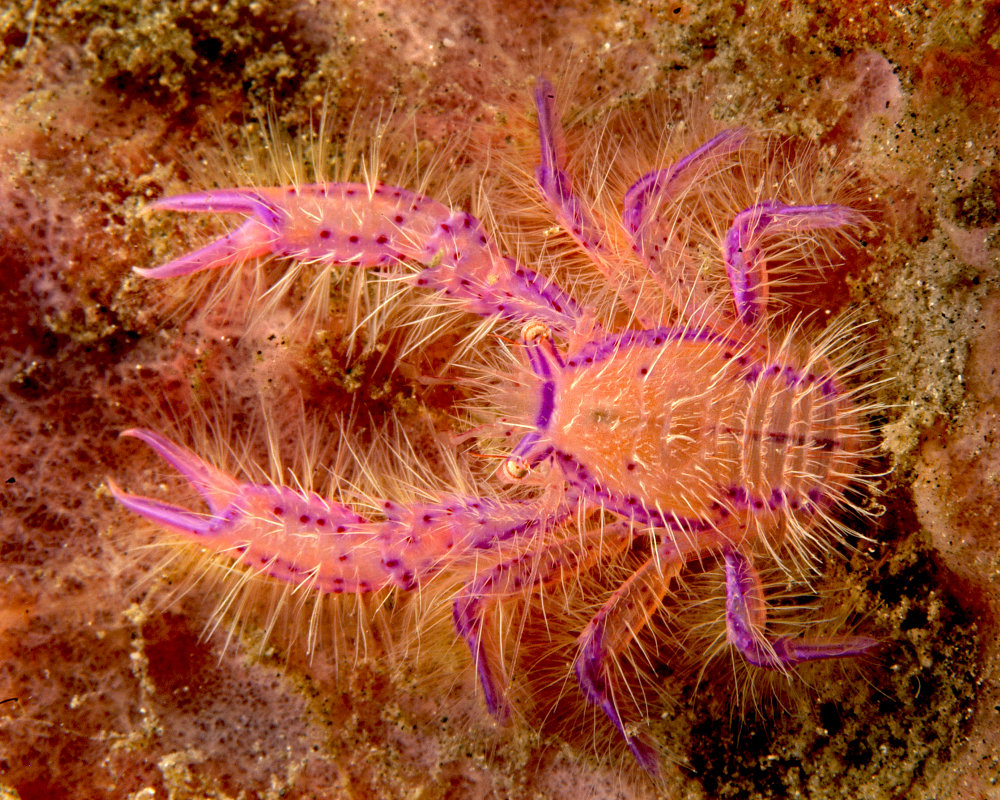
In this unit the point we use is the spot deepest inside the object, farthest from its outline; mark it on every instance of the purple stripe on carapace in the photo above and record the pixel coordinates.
(629, 505)
(827, 386)
(546, 406)
(742, 499)
(538, 361)
(595, 352)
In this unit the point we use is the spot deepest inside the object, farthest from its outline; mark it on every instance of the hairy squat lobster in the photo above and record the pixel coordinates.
(705, 435)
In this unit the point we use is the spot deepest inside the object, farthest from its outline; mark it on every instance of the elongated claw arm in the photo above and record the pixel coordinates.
(369, 226)
(304, 539)
(745, 618)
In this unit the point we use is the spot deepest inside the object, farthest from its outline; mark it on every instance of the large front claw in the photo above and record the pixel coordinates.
(365, 226)
(295, 536)
(217, 488)
(304, 539)
(255, 238)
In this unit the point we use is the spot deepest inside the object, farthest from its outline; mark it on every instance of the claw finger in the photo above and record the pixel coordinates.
(252, 239)
(213, 484)
(221, 201)
(173, 517)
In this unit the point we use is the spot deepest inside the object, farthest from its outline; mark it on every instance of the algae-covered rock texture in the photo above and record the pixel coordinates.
(118, 676)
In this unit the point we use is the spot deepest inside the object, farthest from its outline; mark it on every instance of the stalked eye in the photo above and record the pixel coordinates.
(534, 331)
(515, 468)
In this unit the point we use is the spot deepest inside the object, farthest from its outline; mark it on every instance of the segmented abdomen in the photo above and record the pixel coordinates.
(693, 426)
(799, 439)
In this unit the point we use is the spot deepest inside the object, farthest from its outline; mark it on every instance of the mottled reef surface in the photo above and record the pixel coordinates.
(106, 104)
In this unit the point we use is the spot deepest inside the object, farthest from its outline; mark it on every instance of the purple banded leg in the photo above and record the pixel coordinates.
(572, 215)
(552, 177)
(613, 628)
(370, 226)
(314, 543)
(467, 267)
(654, 190)
(649, 216)
(746, 616)
(473, 610)
(742, 252)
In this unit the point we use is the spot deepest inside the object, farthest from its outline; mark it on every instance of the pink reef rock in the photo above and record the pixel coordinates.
(109, 686)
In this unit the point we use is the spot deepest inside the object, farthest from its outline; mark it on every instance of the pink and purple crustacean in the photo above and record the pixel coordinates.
(705, 436)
